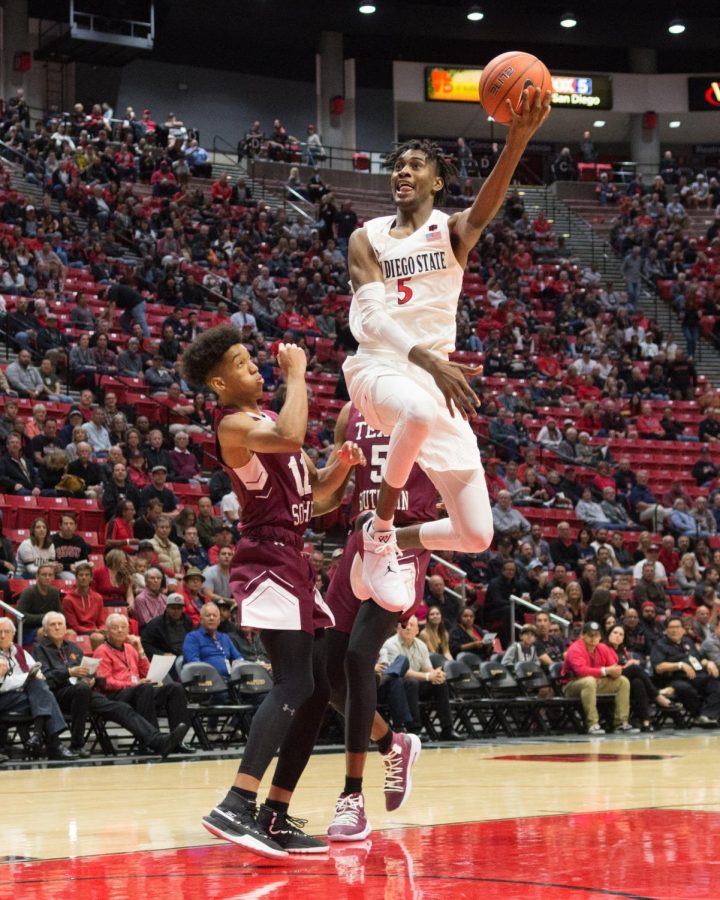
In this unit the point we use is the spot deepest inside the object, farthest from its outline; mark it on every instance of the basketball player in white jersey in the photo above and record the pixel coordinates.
(406, 273)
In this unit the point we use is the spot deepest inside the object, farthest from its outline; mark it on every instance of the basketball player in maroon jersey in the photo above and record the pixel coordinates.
(271, 578)
(406, 271)
(360, 629)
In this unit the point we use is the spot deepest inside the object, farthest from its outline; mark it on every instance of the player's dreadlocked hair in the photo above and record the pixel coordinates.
(205, 352)
(445, 169)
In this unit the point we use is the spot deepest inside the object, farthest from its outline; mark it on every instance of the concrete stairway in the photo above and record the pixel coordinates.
(586, 238)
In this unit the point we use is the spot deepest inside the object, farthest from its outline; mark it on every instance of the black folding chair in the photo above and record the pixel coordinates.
(556, 711)
(207, 693)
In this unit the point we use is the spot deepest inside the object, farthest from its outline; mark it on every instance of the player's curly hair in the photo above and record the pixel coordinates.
(445, 169)
(204, 354)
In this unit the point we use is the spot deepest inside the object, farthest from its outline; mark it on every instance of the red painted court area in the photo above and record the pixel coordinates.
(651, 853)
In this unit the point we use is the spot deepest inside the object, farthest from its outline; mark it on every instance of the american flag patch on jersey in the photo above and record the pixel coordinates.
(433, 233)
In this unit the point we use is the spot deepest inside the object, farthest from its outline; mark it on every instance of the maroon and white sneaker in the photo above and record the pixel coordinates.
(398, 762)
(350, 822)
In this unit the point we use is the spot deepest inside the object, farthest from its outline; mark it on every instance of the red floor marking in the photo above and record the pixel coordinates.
(636, 854)
(583, 757)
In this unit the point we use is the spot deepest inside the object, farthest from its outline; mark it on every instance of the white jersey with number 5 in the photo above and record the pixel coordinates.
(422, 282)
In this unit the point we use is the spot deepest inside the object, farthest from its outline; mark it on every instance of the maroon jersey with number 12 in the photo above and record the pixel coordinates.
(270, 576)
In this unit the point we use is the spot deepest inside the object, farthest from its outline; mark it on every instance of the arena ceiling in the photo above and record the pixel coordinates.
(281, 36)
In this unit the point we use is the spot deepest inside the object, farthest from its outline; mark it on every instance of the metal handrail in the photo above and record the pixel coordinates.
(20, 618)
(458, 571)
(521, 601)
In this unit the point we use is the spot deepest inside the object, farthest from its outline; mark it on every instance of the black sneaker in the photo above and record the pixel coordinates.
(170, 742)
(287, 831)
(239, 826)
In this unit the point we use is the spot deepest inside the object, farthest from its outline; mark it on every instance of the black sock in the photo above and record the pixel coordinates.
(353, 785)
(277, 805)
(385, 742)
(236, 794)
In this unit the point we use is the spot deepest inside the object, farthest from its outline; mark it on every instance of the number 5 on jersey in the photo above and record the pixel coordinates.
(404, 291)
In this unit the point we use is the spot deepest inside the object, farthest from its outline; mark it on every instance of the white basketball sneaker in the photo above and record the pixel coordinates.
(381, 572)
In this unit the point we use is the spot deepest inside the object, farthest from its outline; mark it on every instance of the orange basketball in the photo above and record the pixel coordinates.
(505, 78)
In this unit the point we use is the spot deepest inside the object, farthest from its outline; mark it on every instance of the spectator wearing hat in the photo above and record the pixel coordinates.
(224, 537)
(194, 593)
(536, 575)
(652, 556)
(591, 668)
(522, 650)
(158, 490)
(693, 676)
(166, 632)
(83, 607)
(209, 645)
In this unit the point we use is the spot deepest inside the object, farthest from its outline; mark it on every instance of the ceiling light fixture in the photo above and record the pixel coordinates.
(599, 123)
(677, 26)
(367, 9)
(676, 123)
(568, 20)
(475, 14)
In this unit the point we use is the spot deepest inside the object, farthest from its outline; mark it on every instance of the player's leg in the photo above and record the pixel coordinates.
(404, 410)
(469, 525)
(235, 817)
(372, 626)
(293, 758)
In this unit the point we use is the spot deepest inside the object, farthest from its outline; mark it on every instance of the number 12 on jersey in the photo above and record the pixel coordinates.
(302, 480)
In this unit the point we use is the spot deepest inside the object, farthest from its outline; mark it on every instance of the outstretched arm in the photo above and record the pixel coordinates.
(467, 226)
(328, 484)
(333, 499)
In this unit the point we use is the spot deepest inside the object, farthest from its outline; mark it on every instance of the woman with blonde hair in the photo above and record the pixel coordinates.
(687, 577)
(114, 580)
(435, 634)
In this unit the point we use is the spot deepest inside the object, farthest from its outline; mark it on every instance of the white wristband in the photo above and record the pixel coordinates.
(427, 676)
(604, 671)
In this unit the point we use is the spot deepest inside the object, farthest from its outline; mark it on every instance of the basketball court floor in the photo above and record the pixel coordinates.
(578, 818)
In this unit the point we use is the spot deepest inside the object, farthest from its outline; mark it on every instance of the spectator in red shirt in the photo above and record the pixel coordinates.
(124, 668)
(591, 668)
(83, 607)
(494, 482)
(221, 191)
(648, 424)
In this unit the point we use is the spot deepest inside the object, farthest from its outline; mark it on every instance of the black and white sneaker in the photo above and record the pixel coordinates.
(240, 826)
(287, 832)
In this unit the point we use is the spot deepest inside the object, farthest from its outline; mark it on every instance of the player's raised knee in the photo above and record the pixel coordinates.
(476, 537)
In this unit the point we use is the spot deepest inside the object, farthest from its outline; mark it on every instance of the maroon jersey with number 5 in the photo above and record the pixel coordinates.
(417, 503)
(418, 499)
